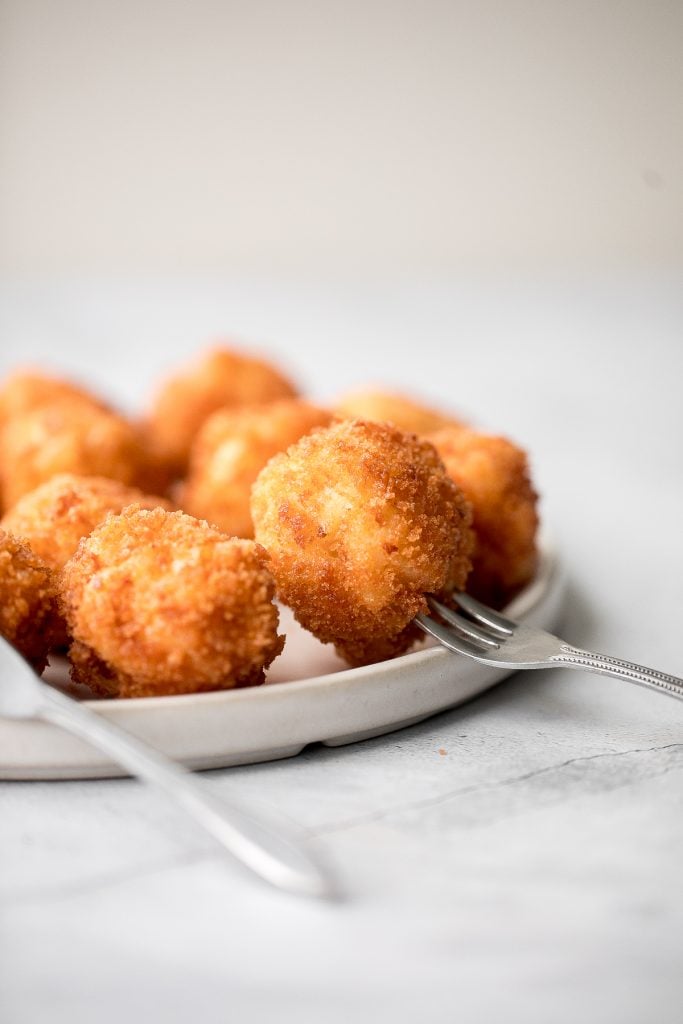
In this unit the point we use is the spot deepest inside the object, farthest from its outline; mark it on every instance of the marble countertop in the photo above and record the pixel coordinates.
(515, 859)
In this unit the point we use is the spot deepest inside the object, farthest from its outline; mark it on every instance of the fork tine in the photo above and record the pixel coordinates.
(447, 636)
(463, 625)
(481, 613)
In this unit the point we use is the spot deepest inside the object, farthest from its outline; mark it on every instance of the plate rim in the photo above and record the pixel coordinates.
(225, 728)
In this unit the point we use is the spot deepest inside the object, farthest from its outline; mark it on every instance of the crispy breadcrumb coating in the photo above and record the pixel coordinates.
(229, 452)
(217, 378)
(28, 601)
(66, 437)
(161, 603)
(494, 475)
(388, 407)
(54, 517)
(360, 521)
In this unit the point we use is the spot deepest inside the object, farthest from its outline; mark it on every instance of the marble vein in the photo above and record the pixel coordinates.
(475, 805)
(673, 760)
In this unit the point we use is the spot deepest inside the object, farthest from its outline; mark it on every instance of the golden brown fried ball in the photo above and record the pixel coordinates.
(360, 521)
(54, 517)
(219, 377)
(161, 603)
(229, 452)
(494, 475)
(26, 390)
(66, 437)
(386, 407)
(28, 601)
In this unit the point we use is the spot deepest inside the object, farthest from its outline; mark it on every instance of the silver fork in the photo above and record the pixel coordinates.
(269, 849)
(490, 638)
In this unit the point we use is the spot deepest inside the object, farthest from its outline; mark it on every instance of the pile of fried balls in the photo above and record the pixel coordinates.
(153, 551)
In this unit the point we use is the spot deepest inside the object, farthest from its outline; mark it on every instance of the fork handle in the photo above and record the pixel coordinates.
(575, 657)
(270, 850)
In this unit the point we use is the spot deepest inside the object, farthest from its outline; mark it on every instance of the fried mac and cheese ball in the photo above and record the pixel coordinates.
(54, 517)
(229, 452)
(219, 377)
(26, 390)
(29, 391)
(360, 521)
(67, 437)
(494, 475)
(161, 603)
(388, 407)
(28, 601)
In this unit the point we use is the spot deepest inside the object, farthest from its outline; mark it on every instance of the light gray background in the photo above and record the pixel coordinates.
(477, 203)
(340, 134)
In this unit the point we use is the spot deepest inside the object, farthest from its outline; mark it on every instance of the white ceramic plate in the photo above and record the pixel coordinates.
(309, 697)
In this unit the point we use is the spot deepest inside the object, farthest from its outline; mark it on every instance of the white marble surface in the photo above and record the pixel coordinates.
(517, 859)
